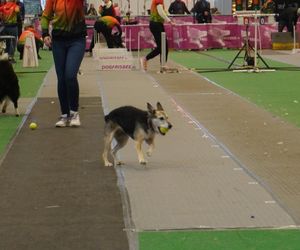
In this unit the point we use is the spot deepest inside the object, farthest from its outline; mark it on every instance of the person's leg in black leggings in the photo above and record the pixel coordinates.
(20, 48)
(156, 29)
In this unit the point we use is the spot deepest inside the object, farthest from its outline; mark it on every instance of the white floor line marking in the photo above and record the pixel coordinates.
(270, 202)
(237, 169)
(54, 206)
(225, 156)
(252, 183)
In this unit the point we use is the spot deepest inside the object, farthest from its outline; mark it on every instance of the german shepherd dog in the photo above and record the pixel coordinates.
(140, 125)
(9, 83)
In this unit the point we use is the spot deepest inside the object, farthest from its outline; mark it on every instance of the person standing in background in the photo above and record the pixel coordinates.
(105, 25)
(104, 10)
(178, 7)
(117, 12)
(68, 47)
(279, 7)
(20, 17)
(288, 18)
(92, 10)
(157, 18)
(268, 7)
(28, 30)
(107, 9)
(86, 6)
(9, 12)
(202, 11)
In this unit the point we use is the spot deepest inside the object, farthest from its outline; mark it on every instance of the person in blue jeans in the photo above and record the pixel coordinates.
(68, 47)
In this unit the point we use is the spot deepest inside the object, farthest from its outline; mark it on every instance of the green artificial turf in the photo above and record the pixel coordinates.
(30, 80)
(278, 92)
(8, 127)
(221, 240)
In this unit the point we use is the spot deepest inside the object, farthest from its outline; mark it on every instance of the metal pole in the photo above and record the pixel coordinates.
(139, 47)
(163, 50)
(294, 32)
(255, 39)
(130, 40)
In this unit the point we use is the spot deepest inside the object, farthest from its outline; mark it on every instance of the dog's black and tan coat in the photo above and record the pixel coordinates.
(140, 125)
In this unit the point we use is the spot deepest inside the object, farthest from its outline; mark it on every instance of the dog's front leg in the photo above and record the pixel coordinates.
(107, 149)
(5, 104)
(16, 108)
(138, 147)
(17, 112)
(150, 150)
(150, 142)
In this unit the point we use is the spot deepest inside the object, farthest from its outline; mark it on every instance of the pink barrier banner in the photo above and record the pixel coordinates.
(264, 32)
(223, 19)
(189, 19)
(194, 36)
(223, 36)
(200, 36)
(138, 35)
(177, 19)
(224, 32)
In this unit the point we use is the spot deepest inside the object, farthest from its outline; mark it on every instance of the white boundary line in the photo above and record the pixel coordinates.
(129, 224)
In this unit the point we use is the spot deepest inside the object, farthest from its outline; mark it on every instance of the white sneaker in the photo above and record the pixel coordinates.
(62, 122)
(75, 120)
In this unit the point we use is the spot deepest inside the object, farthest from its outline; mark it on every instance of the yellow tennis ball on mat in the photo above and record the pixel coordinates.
(33, 125)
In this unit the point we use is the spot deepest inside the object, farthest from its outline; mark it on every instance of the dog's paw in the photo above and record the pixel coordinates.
(108, 164)
(143, 162)
(149, 153)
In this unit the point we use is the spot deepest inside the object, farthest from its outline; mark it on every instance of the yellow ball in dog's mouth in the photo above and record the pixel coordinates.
(33, 125)
(163, 130)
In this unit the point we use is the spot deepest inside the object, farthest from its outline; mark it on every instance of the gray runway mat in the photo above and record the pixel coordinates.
(285, 56)
(55, 192)
(191, 181)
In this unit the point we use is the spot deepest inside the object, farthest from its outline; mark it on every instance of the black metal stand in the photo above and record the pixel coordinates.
(249, 61)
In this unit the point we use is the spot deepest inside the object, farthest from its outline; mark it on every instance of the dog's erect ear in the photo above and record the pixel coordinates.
(150, 108)
(159, 107)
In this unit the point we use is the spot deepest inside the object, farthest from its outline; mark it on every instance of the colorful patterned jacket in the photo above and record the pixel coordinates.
(25, 34)
(66, 17)
(9, 12)
(154, 15)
